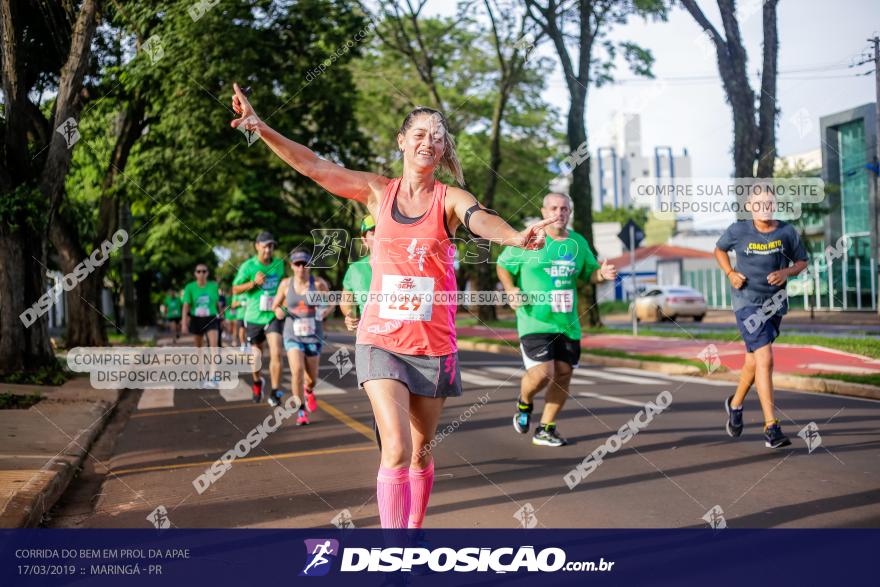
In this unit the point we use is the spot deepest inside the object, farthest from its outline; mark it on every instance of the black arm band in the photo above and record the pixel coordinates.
(471, 210)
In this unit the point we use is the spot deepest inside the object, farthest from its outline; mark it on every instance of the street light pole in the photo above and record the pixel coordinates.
(632, 272)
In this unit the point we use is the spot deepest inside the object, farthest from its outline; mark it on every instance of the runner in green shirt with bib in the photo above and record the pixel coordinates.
(548, 323)
(257, 282)
(171, 309)
(356, 283)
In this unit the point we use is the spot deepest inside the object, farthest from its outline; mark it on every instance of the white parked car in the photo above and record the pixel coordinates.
(670, 302)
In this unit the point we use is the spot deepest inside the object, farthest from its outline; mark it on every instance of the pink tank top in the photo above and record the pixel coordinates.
(412, 266)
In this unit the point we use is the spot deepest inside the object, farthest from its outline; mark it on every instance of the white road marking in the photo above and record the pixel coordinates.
(325, 388)
(617, 400)
(471, 377)
(602, 374)
(152, 399)
(685, 378)
(517, 372)
(239, 393)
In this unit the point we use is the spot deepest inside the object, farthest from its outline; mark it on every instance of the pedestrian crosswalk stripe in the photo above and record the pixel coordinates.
(608, 398)
(239, 393)
(469, 376)
(325, 388)
(517, 373)
(152, 399)
(685, 378)
(600, 374)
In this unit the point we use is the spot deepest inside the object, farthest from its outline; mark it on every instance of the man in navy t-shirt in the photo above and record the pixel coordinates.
(768, 252)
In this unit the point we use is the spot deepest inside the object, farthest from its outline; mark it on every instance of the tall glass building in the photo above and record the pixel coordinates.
(849, 169)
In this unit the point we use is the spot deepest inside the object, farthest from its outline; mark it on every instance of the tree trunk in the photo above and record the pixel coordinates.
(131, 333)
(767, 111)
(86, 323)
(22, 348)
(580, 192)
(486, 276)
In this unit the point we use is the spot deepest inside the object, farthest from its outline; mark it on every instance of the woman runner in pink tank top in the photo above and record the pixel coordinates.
(406, 354)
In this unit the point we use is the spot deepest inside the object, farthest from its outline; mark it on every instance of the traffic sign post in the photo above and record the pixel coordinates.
(632, 235)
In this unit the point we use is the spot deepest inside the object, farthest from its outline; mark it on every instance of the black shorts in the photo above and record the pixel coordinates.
(543, 348)
(202, 324)
(756, 327)
(256, 333)
(175, 320)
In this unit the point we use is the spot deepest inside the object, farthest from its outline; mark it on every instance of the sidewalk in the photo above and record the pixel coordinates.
(788, 359)
(45, 445)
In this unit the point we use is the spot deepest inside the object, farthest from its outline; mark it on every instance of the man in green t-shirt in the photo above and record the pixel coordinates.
(257, 282)
(202, 308)
(356, 283)
(171, 309)
(548, 322)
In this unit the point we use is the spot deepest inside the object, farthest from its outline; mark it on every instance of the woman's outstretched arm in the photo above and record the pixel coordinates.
(361, 186)
(492, 226)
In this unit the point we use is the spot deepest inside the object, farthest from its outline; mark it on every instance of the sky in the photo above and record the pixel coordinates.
(818, 40)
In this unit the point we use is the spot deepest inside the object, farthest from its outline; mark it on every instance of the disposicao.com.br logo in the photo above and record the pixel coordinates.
(321, 553)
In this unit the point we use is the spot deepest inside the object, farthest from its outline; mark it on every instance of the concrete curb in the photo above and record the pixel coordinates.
(40, 489)
(796, 382)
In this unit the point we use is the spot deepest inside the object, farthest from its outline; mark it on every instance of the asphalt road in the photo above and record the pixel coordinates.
(672, 473)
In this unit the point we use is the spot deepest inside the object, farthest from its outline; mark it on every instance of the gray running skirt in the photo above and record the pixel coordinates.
(423, 375)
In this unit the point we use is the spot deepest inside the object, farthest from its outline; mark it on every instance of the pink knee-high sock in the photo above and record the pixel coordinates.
(420, 483)
(392, 493)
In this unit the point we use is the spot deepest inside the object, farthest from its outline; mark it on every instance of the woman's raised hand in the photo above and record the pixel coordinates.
(532, 238)
(242, 107)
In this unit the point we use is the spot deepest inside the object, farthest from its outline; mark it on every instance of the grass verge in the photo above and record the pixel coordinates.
(868, 347)
(651, 358)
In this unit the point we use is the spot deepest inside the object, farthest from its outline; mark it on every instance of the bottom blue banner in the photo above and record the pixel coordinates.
(438, 557)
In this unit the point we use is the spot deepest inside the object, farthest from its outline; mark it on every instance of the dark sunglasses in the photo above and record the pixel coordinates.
(201, 270)
(299, 264)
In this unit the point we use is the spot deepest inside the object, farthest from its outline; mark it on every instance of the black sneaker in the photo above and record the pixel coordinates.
(774, 438)
(274, 398)
(546, 435)
(734, 419)
(257, 389)
(522, 417)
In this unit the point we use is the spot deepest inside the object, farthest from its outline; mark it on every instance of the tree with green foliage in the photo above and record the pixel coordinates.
(45, 50)
(579, 32)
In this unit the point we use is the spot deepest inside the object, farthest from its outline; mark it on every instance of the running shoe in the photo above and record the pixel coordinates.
(302, 419)
(257, 388)
(734, 419)
(522, 417)
(773, 436)
(274, 398)
(311, 402)
(210, 384)
(547, 435)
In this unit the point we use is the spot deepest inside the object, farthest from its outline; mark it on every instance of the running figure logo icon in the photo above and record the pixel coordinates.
(715, 518)
(417, 252)
(810, 434)
(526, 516)
(159, 518)
(319, 556)
(342, 359)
